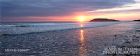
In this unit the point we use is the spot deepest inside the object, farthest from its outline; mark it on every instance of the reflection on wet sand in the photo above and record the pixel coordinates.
(82, 48)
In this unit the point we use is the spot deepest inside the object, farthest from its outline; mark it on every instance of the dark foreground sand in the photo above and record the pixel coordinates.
(77, 42)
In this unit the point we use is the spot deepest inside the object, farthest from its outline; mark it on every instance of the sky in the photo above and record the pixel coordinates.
(67, 10)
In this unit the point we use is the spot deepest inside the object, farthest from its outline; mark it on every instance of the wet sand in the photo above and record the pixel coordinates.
(76, 42)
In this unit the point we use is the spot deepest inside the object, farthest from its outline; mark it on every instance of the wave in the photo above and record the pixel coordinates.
(43, 27)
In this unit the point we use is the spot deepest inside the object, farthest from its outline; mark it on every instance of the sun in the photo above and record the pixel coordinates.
(81, 18)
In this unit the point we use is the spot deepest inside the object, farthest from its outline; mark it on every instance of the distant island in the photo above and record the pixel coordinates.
(102, 20)
(136, 20)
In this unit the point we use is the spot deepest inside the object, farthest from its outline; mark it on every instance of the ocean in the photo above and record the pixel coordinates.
(22, 28)
(62, 39)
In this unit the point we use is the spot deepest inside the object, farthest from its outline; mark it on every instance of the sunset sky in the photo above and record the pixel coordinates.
(68, 10)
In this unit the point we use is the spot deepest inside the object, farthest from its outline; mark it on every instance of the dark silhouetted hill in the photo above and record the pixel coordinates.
(136, 20)
(102, 20)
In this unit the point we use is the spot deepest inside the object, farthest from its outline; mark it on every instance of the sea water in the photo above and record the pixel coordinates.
(22, 28)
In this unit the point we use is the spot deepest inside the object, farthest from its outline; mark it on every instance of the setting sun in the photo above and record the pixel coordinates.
(81, 18)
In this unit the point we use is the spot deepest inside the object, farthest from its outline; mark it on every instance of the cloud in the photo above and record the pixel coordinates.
(124, 8)
(25, 8)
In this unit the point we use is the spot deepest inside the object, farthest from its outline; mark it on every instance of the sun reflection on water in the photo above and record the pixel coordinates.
(82, 48)
(81, 25)
(81, 35)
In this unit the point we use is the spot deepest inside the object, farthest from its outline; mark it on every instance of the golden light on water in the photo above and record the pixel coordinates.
(82, 48)
(81, 25)
(81, 35)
